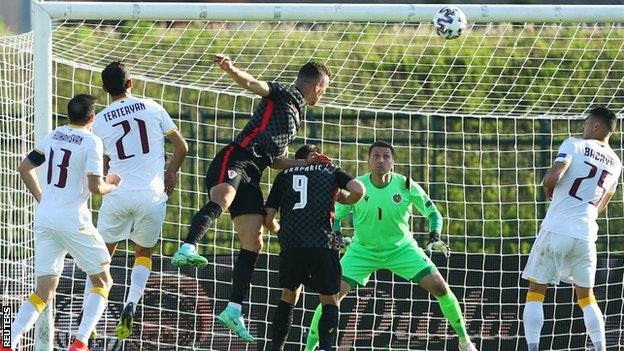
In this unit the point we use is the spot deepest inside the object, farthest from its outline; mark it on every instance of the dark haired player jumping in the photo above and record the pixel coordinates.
(233, 178)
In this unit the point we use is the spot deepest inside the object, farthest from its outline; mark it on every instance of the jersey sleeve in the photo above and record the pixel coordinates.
(276, 90)
(275, 195)
(37, 155)
(342, 178)
(42, 145)
(566, 150)
(94, 158)
(424, 205)
(166, 123)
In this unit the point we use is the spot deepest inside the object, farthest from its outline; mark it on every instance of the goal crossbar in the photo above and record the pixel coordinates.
(326, 12)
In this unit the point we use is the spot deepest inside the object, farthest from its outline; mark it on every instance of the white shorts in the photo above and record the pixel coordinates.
(134, 215)
(555, 257)
(85, 246)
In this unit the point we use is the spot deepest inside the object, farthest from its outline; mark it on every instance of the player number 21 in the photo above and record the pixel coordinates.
(300, 185)
(125, 125)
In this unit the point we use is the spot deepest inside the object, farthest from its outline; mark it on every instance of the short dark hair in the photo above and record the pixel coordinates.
(114, 78)
(313, 72)
(380, 143)
(80, 107)
(305, 150)
(605, 116)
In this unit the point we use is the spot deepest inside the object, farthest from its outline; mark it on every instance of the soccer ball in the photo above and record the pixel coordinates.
(449, 22)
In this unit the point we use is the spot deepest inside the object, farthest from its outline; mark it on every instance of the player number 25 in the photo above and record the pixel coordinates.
(300, 185)
(592, 173)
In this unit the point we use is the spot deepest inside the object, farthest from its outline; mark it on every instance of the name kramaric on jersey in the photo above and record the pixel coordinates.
(73, 139)
(124, 110)
(318, 167)
(598, 156)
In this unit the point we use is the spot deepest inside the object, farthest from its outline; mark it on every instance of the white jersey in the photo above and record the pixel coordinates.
(132, 131)
(71, 153)
(593, 172)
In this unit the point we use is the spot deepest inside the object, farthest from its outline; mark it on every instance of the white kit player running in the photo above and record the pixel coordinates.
(133, 131)
(581, 182)
(63, 220)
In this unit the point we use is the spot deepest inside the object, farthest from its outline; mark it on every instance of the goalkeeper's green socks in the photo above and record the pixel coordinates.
(451, 310)
(448, 304)
(313, 336)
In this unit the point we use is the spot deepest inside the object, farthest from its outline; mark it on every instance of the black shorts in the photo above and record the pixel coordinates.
(316, 268)
(239, 168)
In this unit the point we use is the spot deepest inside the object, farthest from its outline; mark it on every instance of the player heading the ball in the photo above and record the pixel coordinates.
(233, 178)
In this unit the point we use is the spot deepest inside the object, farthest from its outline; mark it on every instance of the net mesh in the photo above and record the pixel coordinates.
(476, 121)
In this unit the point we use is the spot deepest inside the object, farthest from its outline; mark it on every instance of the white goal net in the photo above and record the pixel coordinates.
(476, 121)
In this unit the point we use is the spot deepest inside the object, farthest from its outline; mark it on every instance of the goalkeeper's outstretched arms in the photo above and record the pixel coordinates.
(242, 78)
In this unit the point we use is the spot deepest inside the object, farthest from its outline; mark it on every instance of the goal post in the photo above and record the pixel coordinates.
(474, 120)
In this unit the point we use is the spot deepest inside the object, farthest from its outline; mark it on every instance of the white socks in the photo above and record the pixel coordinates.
(594, 322)
(138, 279)
(26, 318)
(93, 308)
(533, 319)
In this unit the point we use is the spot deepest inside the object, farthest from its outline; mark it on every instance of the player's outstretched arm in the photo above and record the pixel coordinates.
(242, 78)
(180, 149)
(553, 175)
(101, 186)
(29, 177)
(283, 162)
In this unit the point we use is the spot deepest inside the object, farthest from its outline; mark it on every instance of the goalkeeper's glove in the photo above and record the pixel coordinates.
(343, 241)
(438, 245)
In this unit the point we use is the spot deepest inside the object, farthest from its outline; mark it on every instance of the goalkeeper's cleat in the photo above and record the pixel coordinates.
(467, 346)
(187, 256)
(233, 320)
(312, 341)
(78, 345)
(124, 327)
(94, 333)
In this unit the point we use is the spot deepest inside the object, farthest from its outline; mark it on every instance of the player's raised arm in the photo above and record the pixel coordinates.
(283, 162)
(28, 175)
(242, 78)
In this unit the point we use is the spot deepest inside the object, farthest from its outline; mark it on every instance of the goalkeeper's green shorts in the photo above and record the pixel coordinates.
(408, 261)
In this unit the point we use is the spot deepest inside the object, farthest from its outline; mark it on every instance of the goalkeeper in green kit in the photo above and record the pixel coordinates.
(383, 239)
